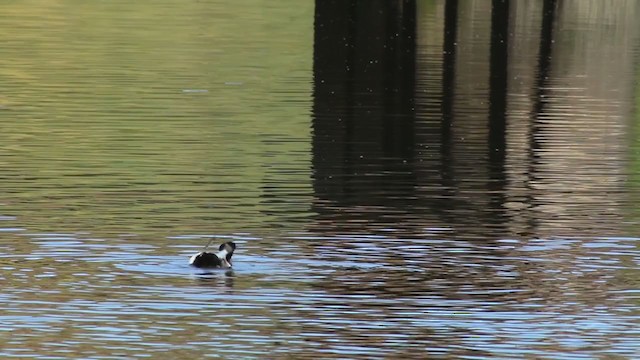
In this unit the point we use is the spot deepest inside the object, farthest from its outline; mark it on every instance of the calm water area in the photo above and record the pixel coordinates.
(403, 179)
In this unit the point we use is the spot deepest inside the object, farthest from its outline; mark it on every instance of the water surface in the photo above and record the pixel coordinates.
(416, 189)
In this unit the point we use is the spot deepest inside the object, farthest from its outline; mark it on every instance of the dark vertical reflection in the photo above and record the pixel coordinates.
(363, 109)
(541, 93)
(498, 103)
(448, 94)
(398, 71)
(544, 64)
(334, 37)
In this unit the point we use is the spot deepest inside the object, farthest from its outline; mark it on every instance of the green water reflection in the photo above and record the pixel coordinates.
(101, 126)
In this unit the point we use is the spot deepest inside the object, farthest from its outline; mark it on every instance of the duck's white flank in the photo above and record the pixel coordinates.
(193, 258)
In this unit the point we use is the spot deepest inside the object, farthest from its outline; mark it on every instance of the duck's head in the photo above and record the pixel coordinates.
(225, 252)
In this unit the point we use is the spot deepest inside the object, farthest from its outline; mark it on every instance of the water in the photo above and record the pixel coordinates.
(441, 197)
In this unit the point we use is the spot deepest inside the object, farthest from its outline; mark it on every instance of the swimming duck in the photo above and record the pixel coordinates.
(221, 259)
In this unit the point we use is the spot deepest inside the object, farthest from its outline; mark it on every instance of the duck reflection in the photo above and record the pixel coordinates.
(216, 278)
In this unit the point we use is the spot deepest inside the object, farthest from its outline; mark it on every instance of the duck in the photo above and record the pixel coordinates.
(220, 259)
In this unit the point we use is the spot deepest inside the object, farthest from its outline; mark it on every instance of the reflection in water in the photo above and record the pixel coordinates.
(363, 136)
(415, 178)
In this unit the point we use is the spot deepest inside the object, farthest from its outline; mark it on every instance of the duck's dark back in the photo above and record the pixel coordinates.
(206, 259)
